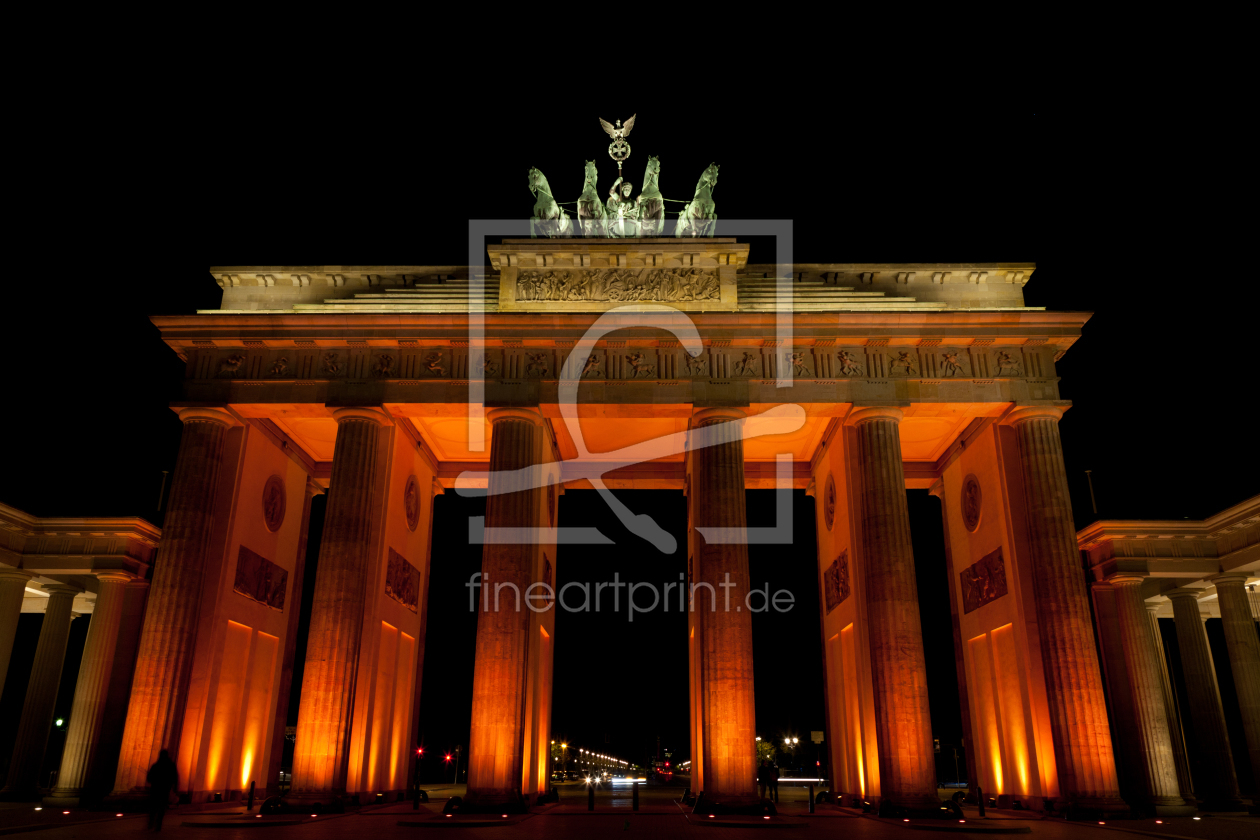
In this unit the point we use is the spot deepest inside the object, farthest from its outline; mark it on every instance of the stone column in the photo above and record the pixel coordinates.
(1142, 662)
(12, 591)
(1078, 709)
(500, 681)
(1253, 597)
(1175, 731)
(322, 750)
(290, 643)
(1217, 786)
(91, 691)
(41, 693)
(903, 724)
(1244, 659)
(717, 501)
(159, 687)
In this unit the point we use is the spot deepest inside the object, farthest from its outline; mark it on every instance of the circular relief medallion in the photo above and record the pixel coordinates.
(551, 504)
(273, 503)
(971, 501)
(829, 501)
(411, 503)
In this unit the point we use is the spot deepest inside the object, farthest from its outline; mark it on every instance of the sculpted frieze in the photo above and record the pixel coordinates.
(836, 581)
(258, 579)
(402, 581)
(983, 581)
(618, 284)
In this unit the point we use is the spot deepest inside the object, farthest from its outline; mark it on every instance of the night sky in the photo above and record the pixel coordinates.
(1161, 378)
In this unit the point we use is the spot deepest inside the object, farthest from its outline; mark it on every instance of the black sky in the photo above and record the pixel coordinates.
(1163, 379)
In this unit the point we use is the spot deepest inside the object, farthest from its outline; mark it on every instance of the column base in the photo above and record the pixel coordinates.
(63, 799)
(1094, 805)
(487, 803)
(922, 805)
(721, 804)
(1182, 810)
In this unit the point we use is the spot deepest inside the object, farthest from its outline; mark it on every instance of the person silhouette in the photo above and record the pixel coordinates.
(763, 778)
(163, 777)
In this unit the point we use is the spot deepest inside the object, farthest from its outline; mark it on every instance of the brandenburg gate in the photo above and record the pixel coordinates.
(385, 386)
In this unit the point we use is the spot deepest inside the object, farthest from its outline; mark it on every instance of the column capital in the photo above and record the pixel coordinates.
(878, 412)
(15, 574)
(529, 415)
(215, 415)
(1033, 412)
(54, 589)
(312, 488)
(375, 415)
(723, 414)
(115, 576)
(1154, 606)
(1183, 594)
(1230, 577)
(1126, 578)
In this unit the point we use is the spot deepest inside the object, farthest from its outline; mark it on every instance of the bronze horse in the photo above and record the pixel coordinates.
(651, 203)
(548, 219)
(697, 217)
(590, 209)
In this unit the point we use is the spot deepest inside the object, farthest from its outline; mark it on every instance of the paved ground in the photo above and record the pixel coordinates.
(658, 819)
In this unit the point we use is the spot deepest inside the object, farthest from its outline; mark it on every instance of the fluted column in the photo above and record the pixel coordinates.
(159, 687)
(91, 691)
(1146, 686)
(903, 723)
(1253, 597)
(1078, 710)
(1217, 785)
(41, 693)
(1244, 659)
(322, 749)
(12, 591)
(500, 680)
(1175, 730)
(717, 501)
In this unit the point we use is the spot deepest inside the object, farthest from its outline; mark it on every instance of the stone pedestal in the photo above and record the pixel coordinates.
(716, 501)
(1160, 785)
(91, 691)
(903, 723)
(1078, 710)
(41, 694)
(1217, 785)
(1244, 660)
(500, 680)
(12, 591)
(1175, 730)
(321, 751)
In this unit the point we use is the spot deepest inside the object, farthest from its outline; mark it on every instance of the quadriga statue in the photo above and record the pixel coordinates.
(590, 208)
(697, 217)
(548, 219)
(651, 203)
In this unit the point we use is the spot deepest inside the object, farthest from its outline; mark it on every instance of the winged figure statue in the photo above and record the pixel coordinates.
(620, 132)
(618, 149)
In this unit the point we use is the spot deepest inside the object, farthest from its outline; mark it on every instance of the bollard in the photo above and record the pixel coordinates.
(811, 799)
(590, 797)
(634, 796)
(980, 799)
(251, 797)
